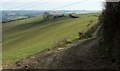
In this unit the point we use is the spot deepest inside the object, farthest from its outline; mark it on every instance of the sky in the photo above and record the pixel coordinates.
(52, 4)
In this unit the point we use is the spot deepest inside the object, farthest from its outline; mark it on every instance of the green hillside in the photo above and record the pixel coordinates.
(24, 38)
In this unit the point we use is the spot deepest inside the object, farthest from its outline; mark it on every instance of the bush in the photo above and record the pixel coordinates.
(110, 21)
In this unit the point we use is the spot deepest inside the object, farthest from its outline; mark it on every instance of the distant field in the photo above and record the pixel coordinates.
(24, 38)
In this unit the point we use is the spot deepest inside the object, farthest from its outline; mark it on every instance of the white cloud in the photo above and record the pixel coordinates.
(49, 0)
(25, 0)
(52, 4)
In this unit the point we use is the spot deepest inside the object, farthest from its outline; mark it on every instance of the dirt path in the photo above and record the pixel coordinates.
(79, 55)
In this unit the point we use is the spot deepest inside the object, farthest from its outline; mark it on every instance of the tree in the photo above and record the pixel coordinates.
(46, 15)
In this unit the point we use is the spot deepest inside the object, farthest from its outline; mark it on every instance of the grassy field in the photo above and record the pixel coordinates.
(24, 38)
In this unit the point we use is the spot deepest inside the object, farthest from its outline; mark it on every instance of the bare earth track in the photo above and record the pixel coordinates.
(81, 54)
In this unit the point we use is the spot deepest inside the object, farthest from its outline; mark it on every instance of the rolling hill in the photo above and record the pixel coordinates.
(23, 38)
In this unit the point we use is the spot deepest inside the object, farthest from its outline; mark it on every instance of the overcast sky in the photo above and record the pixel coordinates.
(52, 4)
